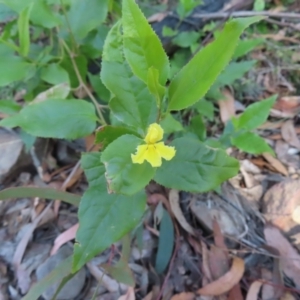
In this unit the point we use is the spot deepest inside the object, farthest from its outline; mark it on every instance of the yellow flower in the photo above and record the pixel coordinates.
(153, 151)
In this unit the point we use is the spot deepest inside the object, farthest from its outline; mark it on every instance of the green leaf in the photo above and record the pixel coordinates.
(168, 31)
(46, 193)
(120, 272)
(165, 243)
(6, 14)
(85, 16)
(56, 118)
(81, 63)
(234, 71)
(259, 5)
(122, 175)
(196, 167)
(142, 46)
(60, 91)
(205, 108)
(43, 15)
(93, 168)
(194, 80)
(245, 46)
(17, 5)
(170, 124)
(197, 126)
(54, 74)
(56, 275)
(251, 143)
(107, 134)
(27, 139)
(9, 107)
(23, 29)
(186, 39)
(99, 88)
(103, 218)
(132, 103)
(93, 44)
(157, 90)
(255, 114)
(13, 68)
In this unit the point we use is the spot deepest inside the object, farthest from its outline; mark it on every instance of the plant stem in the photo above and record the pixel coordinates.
(82, 84)
(68, 25)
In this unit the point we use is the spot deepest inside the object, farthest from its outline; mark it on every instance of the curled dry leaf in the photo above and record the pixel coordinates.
(289, 257)
(280, 202)
(174, 202)
(289, 134)
(254, 290)
(227, 106)
(287, 296)
(130, 295)
(226, 282)
(286, 107)
(296, 215)
(64, 237)
(268, 290)
(183, 296)
(276, 164)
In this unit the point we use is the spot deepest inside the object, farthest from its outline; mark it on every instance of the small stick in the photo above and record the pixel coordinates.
(221, 15)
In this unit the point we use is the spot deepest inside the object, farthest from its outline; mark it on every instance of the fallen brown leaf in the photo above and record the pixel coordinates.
(226, 282)
(288, 106)
(276, 164)
(183, 296)
(289, 257)
(254, 290)
(280, 202)
(175, 207)
(130, 295)
(64, 237)
(289, 134)
(287, 296)
(226, 105)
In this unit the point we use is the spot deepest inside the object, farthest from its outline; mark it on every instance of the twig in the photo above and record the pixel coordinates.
(82, 84)
(221, 15)
(283, 24)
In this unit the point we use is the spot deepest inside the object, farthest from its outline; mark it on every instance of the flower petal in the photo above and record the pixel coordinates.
(140, 155)
(165, 152)
(155, 133)
(152, 156)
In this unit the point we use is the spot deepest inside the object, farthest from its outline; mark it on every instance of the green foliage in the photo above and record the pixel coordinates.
(238, 130)
(251, 143)
(132, 104)
(48, 193)
(91, 14)
(52, 51)
(142, 46)
(196, 167)
(255, 114)
(170, 124)
(54, 74)
(194, 80)
(13, 68)
(24, 34)
(57, 118)
(100, 212)
(122, 176)
(165, 243)
(107, 134)
(9, 107)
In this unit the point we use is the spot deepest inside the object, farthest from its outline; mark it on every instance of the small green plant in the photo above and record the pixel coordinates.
(136, 88)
